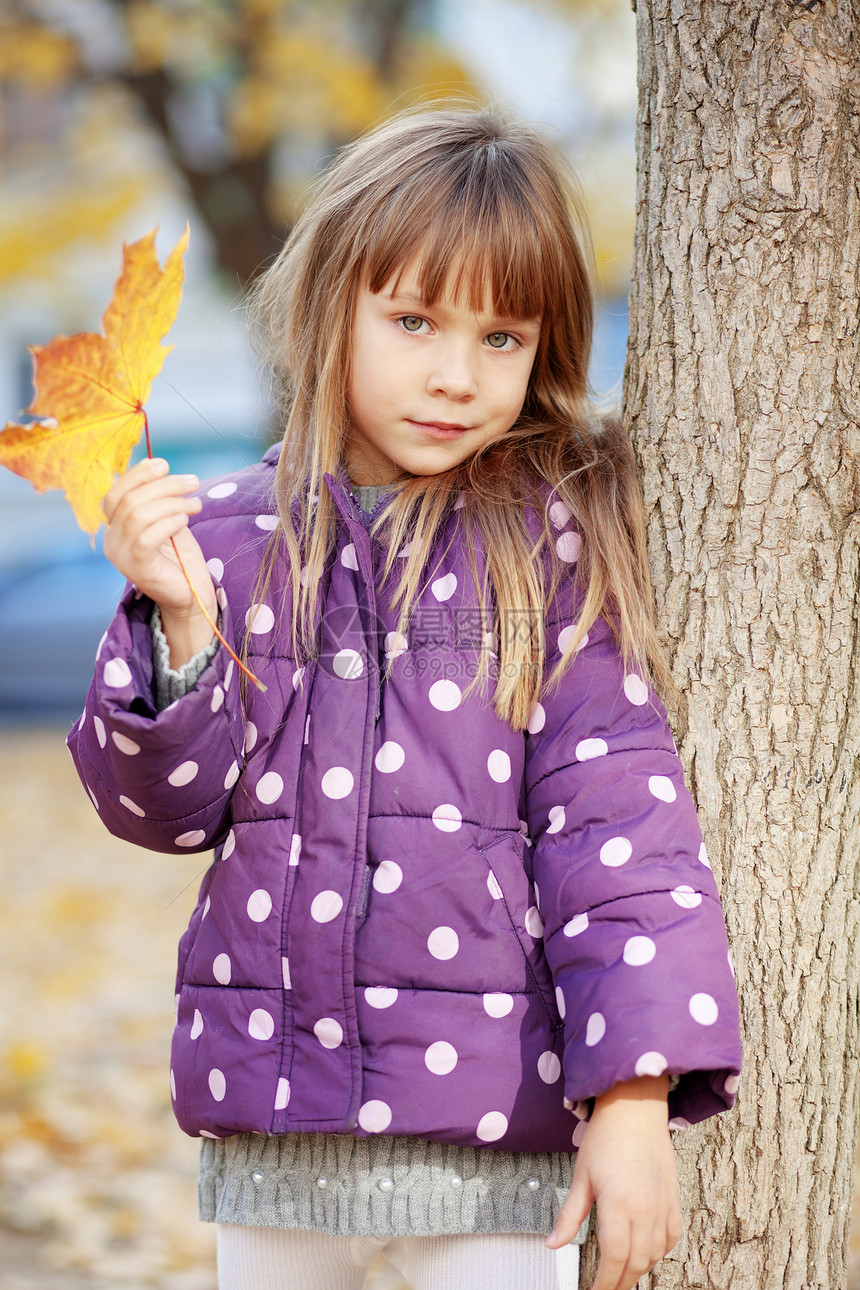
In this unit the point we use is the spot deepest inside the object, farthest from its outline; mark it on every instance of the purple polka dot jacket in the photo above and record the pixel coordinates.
(418, 920)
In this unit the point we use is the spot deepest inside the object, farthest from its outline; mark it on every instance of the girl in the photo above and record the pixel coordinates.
(460, 920)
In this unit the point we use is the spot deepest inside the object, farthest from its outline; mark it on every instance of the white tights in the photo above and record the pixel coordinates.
(277, 1258)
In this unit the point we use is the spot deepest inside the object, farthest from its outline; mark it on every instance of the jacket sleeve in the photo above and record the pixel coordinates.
(634, 930)
(160, 779)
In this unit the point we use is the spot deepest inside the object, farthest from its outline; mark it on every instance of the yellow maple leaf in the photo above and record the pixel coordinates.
(90, 389)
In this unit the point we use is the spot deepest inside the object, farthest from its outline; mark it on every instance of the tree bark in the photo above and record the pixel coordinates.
(743, 393)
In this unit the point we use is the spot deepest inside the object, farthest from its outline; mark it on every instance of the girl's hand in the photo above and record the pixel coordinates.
(144, 509)
(626, 1164)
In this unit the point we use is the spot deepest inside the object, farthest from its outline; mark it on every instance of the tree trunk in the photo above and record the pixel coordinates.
(743, 393)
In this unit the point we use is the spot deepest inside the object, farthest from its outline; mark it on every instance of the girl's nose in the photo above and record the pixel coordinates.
(453, 374)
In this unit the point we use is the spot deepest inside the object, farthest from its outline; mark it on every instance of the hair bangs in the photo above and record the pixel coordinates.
(465, 233)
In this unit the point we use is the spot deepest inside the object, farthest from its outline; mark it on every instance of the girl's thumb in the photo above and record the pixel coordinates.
(573, 1213)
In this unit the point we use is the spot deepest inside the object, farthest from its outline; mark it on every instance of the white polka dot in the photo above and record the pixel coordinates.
(578, 1134)
(498, 1004)
(172, 1085)
(268, 523)
(565, 636)
(577, 925)
(307, 728)
(440, 1058)
(557, 819)
(443, 588)
(732, 1084)
(101, 645)
(337, 783)
(295, 848)
(250, 736)
(499, 766)
(447, 818)
(687, 897)
(222, 490)
(196, 1025)
(652, 1063)
(586, 749)
(297, 677)
(329, 1032)
(395, 644)
(560, 1002)
(730, 963)
(101, 733)
(348, 664)
(326, 906)
(580, 1110)
(116, 673)
(460, 502)
(595, 1029)
(204, 1133)
(259, 619)
(537, 719)
(635, 689)
(445, 696)
(221, 597)
(388, 877)
(125, 745)
(191, 839)
(228, 674)
(389, 758)
(678, 1122)
(405, 551)
(222, 969)
(639, 950)
(217, 1084)
(348, 557)
(492, 1126)
(380, 996)
(131, 806)
(568, 546)
(183, 774)
(534, 923)
(661, 787)
(93, 798)
(232, 775)
(259, 905)
(217, 698)
(443, 943)
(207, 902)
(549, 1067)
(703, 1008)
(615, 852)
(269, 787)
(216, 568)
(285, 973)
(374, 1116)
(229, 845)
(493, 885)
(703, 856)
(261, 1024)
(559, 514)
(282, 1096)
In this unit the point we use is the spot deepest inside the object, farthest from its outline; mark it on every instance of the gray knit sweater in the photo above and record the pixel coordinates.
(379, 1186)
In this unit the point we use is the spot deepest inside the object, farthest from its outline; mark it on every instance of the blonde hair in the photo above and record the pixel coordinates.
(470, 200)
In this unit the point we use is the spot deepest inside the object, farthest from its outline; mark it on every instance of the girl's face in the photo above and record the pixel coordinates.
(431, 384)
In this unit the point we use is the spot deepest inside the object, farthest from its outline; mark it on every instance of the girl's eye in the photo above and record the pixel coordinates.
(411, 322)
(500, 340)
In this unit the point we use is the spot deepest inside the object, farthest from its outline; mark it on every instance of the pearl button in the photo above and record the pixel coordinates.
(386, 1184)
(533, 1184)
(456, 1181)
(322, 1183)
(256, 1176)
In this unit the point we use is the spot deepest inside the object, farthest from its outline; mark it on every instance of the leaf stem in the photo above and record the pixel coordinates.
(246, 671)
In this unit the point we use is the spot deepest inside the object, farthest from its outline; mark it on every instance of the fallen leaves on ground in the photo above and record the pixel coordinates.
(97, 1182)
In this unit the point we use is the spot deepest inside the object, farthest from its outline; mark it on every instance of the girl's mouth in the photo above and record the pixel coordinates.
(440, 429)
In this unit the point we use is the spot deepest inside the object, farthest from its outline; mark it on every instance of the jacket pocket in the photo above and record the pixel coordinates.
(509, 882)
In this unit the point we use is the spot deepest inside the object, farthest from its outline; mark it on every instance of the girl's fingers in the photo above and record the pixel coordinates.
(144, 471)
(147, 480)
